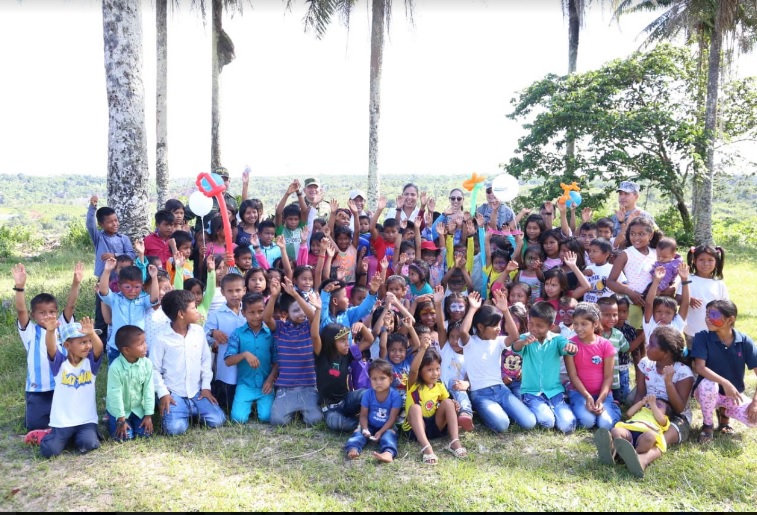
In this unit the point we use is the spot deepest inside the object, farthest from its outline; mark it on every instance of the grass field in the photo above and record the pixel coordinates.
(257, 467)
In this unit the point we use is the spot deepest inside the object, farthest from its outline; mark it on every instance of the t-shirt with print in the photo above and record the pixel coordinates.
(427, 398)
(589, 361)
(332, 374)
(293, 238)
(655, 382)
(39, 376)
(74, 400)
(453, 366)
(400, 371)
(598, 282)
(512, 365)
(378, 411)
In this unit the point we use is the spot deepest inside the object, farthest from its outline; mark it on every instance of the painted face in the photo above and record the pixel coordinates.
(256, 283)
(551, 247)
(296, 314)
(640, 236)
(663, 315)
(551, 288)
(397, 353)
(456, 310)
(499, 264)
(253, 313)
(538, 328)
(609, 316)
(705, 265)
(130, 289)
(380, 382)
(304, 281)
(43, 312)
(715, 318)
(428, 317)
(584, 328)
(566, 313)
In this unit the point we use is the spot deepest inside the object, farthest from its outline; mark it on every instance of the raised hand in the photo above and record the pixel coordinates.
(87, 325)
(469, 227)
(500, 299)
(304, 231)
(281, 242)
(480, 220)
(246, 175)
(683, 271)
(460, 261)
(407, 322)
(110, 265)
(334, 203)
(511, 266)
(314, 300)
(353, 207)
(93, 200)
(375, 283)
(274, 287)
(441, 229)
(659, 273)
(381, 204)
(178, 259)
(357, 327)
(210, 263)
(19, 275)
(474, 300)
(287, 286)
(438, 294)
(569, 258)
(139, 247)
(384, 263)
(403, 224)
(152, 271)
(424, 196)
(400, 202)
(255, 240)
(586, 214)
(331, 249)
(389, 299)
(431, 204)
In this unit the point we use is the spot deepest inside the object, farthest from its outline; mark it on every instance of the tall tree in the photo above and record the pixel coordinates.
(223, 54)
(161, 101)
(575, 11)
(127, 142)
(317, 18)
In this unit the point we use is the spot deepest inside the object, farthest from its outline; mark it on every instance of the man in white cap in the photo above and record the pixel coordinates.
(628, 195)
(314, 198)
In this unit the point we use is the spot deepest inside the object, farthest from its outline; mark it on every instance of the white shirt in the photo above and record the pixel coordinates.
(155, 323)
(74, 401)
(483, 361)
(453, 366)
(656, 383)
(678, 324)
(181, 365)
(598, 282)
(705, 290)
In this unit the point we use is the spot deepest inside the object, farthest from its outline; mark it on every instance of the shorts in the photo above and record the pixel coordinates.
(682, 426)
(432, 430)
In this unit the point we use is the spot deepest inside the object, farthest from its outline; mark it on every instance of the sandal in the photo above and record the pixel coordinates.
(605, 450)
(726, 429)
(430, 458)
(706, 435)
(630, 457)
(460, 452)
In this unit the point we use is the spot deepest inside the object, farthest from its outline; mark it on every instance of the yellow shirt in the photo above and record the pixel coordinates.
(428, 399)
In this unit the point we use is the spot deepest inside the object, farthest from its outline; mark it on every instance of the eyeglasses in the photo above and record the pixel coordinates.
(568, 312)
(456, 199)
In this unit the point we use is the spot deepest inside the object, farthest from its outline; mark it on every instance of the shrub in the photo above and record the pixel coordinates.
(78, 236)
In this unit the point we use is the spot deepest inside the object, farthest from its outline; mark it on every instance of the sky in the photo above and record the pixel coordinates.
(291, 104)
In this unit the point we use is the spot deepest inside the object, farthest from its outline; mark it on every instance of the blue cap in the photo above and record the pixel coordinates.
(69, 331)
(628, 187)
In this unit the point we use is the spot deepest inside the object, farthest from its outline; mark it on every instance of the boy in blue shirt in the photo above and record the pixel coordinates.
(251, 351)
(40, 382)
(336, 303)
(541, 349)
(109, 243)
(131, 305)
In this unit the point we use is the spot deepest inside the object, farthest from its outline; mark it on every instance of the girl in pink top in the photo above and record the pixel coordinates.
(590, 371)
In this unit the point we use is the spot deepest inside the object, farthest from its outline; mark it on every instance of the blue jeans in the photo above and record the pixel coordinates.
(38, 405)
(343, 416)
(289, 401)
(84, 437)
(551, 412)
(243, 400)
(462, 399)
(587, 419)
(496, 404)
(621, 394)
(176, 421)
(387, 442)
(132, 431)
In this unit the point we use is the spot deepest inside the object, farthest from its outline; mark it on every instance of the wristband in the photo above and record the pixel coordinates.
(16, 288)
(398, 209)
(682, 282)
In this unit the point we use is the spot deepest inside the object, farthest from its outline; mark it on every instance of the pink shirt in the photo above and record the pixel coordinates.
(590, 362)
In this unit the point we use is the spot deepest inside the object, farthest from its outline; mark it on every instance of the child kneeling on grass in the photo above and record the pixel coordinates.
(73, 416)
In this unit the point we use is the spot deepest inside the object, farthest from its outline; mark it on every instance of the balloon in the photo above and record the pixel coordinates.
(200, 204)
(575, 199)
(505, 187)
(474, 180)
(212, 186)
(216, 178)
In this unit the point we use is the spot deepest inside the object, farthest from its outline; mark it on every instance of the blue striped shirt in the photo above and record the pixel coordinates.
(294, 354)
(39, 376)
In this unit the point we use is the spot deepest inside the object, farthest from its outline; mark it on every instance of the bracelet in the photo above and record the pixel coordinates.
(398, 209)
(682, 282)
(299, 193)
(120, 423)
(549, 214)
(16, 288)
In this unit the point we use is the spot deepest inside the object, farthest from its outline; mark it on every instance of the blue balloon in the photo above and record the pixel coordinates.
(216, 178)
(575, 199)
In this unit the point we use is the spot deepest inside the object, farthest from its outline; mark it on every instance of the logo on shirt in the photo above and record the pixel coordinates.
(430, 405)
(334, 371)
(381, 414)
(82, 379)
(597, 360)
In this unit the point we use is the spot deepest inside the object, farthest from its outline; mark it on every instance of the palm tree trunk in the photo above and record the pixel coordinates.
(700, 146)
(215, 116)
(161, 102)
(574, 28)
(374, 109)
(127, 142)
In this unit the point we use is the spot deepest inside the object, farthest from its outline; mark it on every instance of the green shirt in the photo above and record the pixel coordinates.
(621, 345)
(541, 365)
(130, 388)
(292, 239)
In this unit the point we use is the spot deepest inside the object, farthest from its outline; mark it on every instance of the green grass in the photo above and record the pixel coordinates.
(257, 467)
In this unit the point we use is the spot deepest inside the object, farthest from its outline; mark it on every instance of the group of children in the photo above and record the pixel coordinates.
(414, 325)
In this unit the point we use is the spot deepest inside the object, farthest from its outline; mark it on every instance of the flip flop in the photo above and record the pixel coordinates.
(706, 435)
(726, 429)
(626, 451)
(603, 441)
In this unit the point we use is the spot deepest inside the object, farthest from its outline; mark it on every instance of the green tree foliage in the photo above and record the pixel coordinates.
(634, 118)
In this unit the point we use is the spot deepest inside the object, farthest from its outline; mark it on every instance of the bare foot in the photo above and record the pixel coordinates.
(384, 457)
(353, 454)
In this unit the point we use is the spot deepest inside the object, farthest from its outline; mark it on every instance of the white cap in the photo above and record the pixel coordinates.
(356, 193)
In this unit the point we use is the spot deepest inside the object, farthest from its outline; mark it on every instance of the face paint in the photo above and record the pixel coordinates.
(456, 307)
(715, 317)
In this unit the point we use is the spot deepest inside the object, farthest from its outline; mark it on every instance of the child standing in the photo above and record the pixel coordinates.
(250, 350)
(131, 393)
(379, 408)
(541, 389)
(73, 416)
(156, 243)
(40, 379)
(621, 378)
(591, 372)
(706, 285)
(181, 361)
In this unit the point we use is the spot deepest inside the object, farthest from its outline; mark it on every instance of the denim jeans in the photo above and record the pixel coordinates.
(551, 412)
(38, 405)
(131, 432)
(496, 404)
(176, 421)
(587, 419)
(462, 398)
(343, 416)
(84, 437)
(243, 400)
(289, 401)
(387, 442)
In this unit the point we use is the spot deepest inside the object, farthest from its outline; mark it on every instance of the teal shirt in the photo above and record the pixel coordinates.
(541, 365)
(260, 344)
(130, 388)
(621, 345)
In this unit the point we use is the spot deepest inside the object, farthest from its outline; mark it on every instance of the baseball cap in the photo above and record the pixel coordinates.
(69, 331)
(222, 171)
(628, 187)
(428, 245)
(357, 193)
(312, 181)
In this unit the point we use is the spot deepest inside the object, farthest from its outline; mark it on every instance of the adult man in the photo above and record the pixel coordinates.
(628, 195)
(314, 197)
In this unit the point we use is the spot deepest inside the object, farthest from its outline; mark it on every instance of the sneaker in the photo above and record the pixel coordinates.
(465, 422)
(36, 436)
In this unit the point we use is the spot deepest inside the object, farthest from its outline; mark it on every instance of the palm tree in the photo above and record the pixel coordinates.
(707, 24)
(576, 11)
(317, 18)
(127, 142)
(161, 101)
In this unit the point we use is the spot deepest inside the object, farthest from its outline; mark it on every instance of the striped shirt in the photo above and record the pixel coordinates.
(294, 354)
(39, 376)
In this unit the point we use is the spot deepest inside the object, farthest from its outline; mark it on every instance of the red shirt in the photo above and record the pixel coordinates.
(156, 246)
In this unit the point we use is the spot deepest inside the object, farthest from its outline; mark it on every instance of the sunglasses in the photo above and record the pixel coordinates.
(456, 199)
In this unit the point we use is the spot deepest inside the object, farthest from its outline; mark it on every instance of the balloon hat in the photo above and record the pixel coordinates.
(212, 186)
(570, 196)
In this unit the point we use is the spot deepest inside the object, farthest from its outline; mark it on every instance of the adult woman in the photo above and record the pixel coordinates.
(454, 213)
(720, 356)
(407, 204)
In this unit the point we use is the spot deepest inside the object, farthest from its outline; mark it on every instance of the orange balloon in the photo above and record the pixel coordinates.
(469, 184)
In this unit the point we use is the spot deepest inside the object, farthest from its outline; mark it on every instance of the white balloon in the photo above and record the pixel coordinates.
(505, 187)
(200, 204)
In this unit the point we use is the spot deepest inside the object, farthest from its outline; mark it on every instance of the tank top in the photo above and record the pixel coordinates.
(638, 268)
